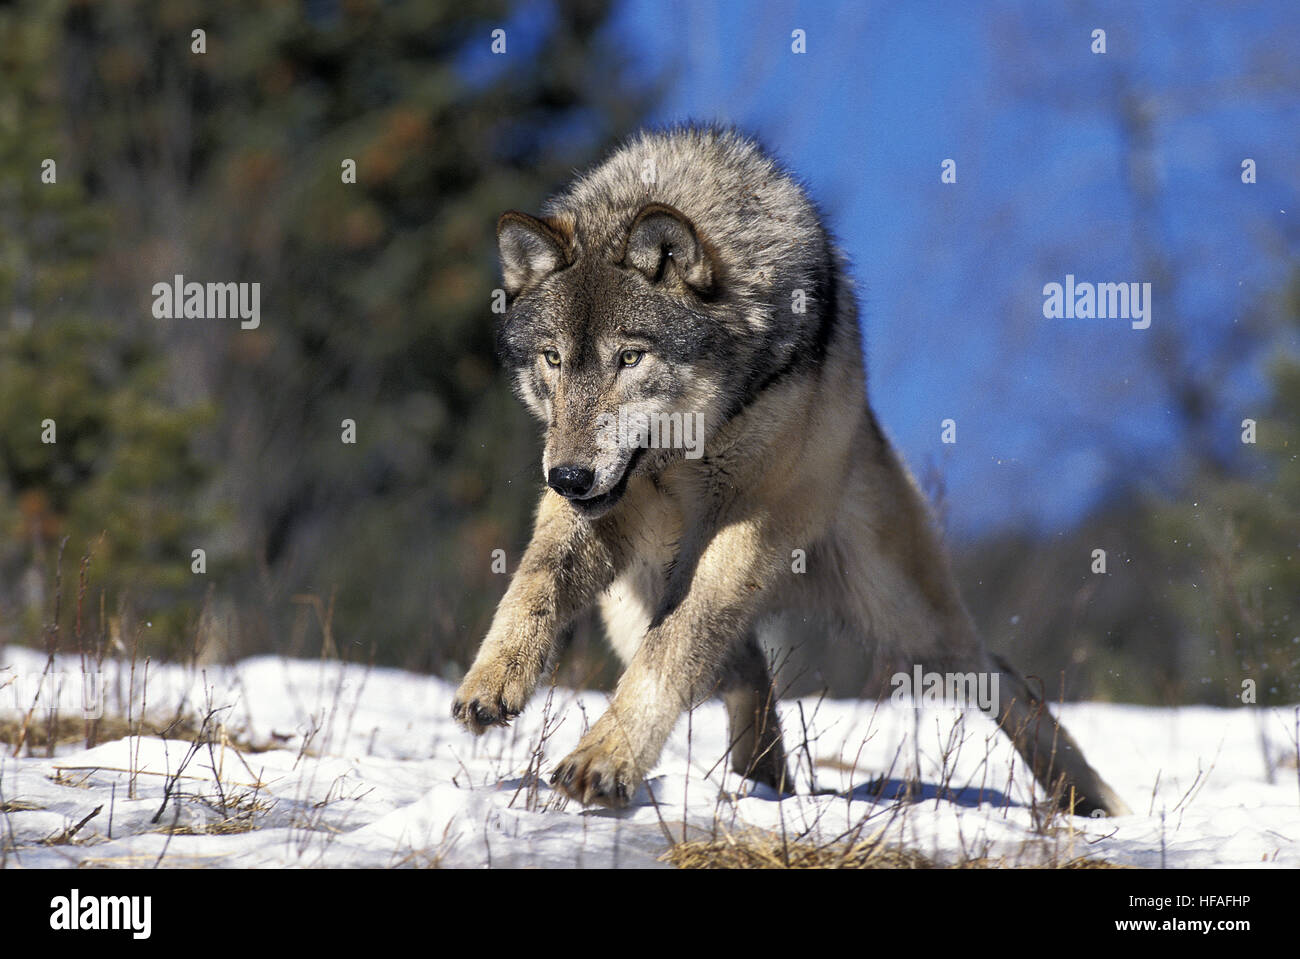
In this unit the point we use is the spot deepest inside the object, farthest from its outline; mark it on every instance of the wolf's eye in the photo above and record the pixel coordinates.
(552, 357)
(631, 357)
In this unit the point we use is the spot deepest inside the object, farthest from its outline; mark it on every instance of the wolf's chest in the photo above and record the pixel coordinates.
(629, 603)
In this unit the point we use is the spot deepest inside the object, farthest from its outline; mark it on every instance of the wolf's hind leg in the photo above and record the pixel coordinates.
(753, 729)
(1048, 748)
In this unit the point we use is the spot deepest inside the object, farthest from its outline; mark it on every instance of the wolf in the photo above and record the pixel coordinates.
(690, 275)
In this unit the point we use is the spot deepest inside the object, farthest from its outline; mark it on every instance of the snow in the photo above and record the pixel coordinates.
(320, 763)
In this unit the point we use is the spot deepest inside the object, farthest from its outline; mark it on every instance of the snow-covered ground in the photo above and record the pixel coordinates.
(325, 764)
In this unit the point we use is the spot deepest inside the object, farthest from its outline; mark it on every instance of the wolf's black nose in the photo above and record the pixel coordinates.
(571, 482)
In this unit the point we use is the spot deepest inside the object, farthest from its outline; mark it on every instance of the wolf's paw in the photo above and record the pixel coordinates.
(490, 695)
(597, 775)
(1100, 804)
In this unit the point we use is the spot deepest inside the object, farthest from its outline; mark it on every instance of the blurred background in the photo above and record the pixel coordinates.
(1072, 435)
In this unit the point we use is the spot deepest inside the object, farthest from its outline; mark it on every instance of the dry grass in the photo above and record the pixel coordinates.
(68, 836)
(71, 730)
(137, 861)
(759, 849)
(17, 805)
(226, 827)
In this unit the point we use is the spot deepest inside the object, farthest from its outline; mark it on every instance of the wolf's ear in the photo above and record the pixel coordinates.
(530, 249)
(660, 239)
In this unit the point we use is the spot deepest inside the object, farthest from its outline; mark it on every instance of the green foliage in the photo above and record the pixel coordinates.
(1233, 547)
(225, 166)
(121, 479)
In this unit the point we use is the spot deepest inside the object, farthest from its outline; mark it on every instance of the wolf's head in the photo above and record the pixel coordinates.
(653, 299)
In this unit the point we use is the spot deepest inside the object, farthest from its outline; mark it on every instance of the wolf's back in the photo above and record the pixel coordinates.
(754, 215)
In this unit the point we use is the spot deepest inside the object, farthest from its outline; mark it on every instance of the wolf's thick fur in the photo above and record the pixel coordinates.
(688, 273)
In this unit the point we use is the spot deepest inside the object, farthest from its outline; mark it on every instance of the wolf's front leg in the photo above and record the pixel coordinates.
(679, 662)
(565, 566)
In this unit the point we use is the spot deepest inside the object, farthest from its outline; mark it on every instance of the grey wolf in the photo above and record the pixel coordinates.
(689, 273)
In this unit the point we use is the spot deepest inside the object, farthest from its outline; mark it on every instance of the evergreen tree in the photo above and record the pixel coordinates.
(1232, 545)
(94, 448)
(227, 156)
